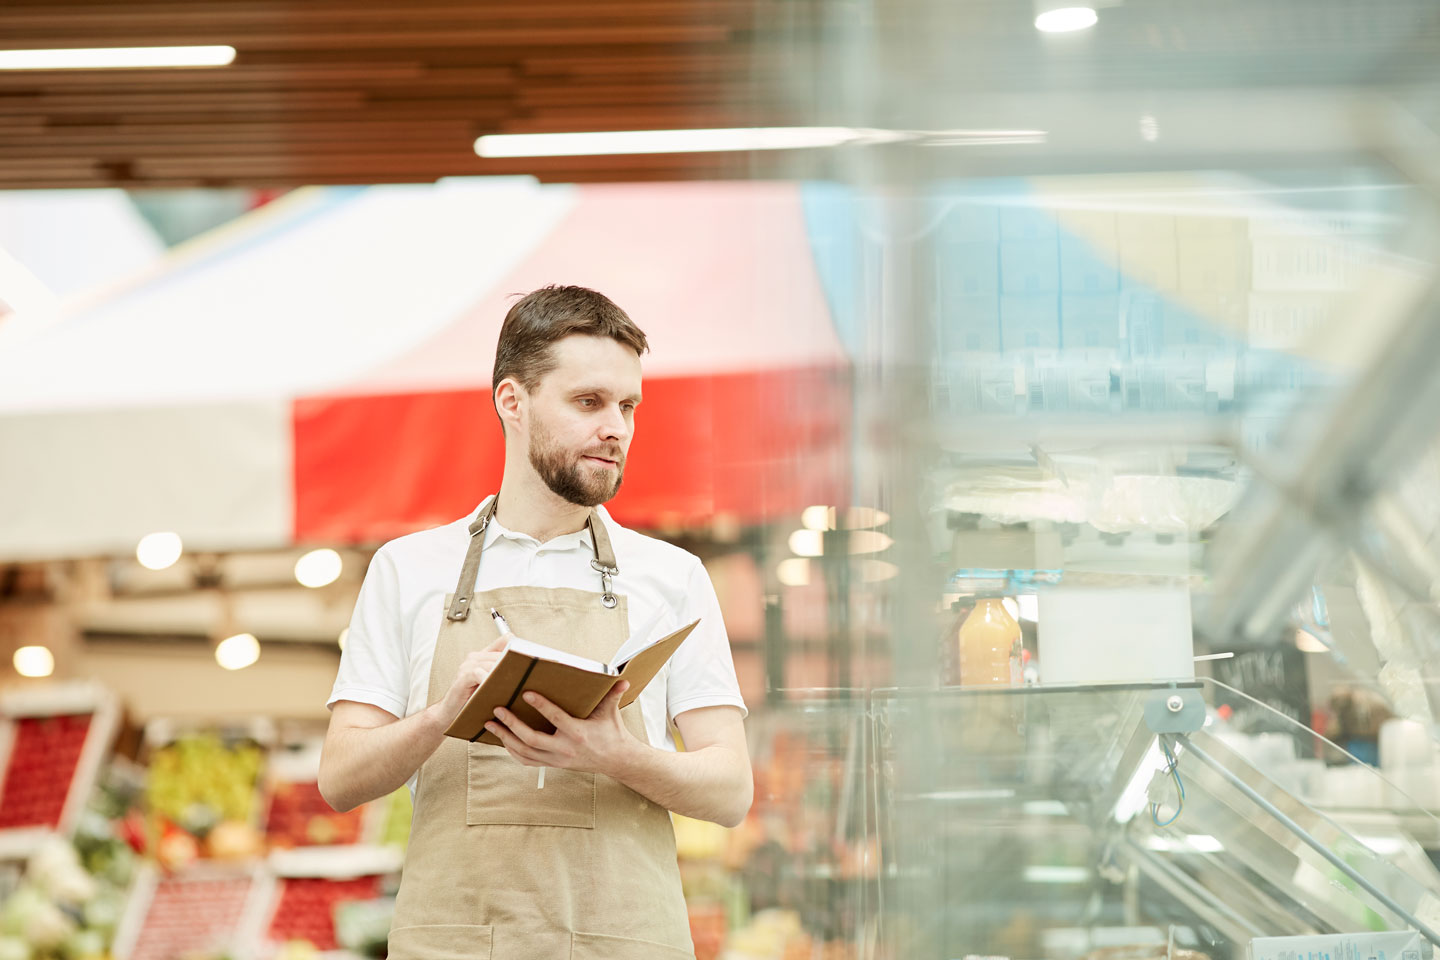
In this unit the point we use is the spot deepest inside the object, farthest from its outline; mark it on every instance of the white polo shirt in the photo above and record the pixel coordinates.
(391, 643)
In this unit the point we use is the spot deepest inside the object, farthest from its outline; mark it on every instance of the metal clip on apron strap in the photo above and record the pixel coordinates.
(603, 564)
(465, 589)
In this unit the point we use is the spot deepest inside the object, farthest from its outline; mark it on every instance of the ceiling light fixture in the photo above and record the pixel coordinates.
(794, 572)
(318, 568)
(730, 140)
(116, 58)
(854, 518)
(34, 661)
(156, 551)
(1066, 19)
(237, 652)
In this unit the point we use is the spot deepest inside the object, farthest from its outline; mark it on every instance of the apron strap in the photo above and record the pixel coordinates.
(465, 589)
(603, 564)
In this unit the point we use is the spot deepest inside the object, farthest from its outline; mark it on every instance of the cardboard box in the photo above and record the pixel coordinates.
(970, 324)
(1284, 321)
(1089, 321)
(1303, 264)
(1086, 268)
(968, 269)
(1142, 323)
(1214, 264)
(1027, 223)
(1030, 323)
(1149, 253)
(1029, 267)
(969, 222)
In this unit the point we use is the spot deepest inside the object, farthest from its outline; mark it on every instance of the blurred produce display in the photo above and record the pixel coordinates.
(214, 842)
(199, 781)
(43, 759)
(299, 816)
(306, 908)
(192, 914)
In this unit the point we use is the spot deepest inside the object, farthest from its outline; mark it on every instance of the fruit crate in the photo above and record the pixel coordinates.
(205, 909)
(296, 815)
(53, 741)
(217, 768)
(305, 908)
(311, 881)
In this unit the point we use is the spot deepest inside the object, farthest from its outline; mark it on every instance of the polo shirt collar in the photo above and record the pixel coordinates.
(569, 541)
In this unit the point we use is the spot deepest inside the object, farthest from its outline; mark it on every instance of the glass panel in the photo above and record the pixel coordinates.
(1047, 822)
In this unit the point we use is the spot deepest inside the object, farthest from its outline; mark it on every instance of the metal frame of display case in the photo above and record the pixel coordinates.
(1172, 713)
(1289, 824)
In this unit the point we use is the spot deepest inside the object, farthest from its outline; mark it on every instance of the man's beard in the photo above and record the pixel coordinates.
(565, 476)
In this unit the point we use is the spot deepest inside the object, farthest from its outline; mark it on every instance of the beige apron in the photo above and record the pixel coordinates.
(498, 869)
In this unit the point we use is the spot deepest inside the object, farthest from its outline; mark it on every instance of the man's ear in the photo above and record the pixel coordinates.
(510, 401)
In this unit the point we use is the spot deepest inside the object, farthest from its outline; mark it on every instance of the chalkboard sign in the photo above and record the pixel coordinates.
(1276, 677)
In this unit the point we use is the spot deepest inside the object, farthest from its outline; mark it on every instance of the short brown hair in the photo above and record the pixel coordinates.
(548, 315)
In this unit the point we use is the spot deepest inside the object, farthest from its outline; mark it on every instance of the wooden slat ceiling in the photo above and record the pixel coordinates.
(344, 91)
(364, 91)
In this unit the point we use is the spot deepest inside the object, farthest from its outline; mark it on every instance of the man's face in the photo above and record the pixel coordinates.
(583, 418)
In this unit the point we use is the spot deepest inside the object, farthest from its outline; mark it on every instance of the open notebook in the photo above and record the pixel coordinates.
(575, 684)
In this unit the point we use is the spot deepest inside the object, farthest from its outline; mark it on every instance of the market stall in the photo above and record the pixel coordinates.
(344, 396)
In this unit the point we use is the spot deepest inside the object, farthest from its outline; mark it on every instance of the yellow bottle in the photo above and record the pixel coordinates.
(988, 639)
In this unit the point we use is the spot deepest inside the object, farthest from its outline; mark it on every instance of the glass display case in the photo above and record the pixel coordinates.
(1143, 331)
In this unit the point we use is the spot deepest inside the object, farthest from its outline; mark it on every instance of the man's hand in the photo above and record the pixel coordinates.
(473, 671)
(598, 744)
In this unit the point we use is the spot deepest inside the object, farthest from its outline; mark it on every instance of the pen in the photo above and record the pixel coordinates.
(506, 632)
(500, 622)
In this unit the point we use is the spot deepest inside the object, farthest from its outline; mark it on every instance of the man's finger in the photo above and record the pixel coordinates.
(612, 699)
(512, 744)
(527, 734)
(549, 711)
(498, 645)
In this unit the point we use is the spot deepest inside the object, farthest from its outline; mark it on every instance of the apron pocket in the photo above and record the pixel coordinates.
(501, 790)
(440, 941)
(599, 946)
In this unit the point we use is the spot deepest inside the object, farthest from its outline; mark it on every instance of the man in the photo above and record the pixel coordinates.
(554, 845)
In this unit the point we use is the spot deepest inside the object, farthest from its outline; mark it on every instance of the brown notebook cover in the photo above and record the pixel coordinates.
(575, 690)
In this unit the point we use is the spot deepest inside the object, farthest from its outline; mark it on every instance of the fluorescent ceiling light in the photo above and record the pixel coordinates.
(1045, 808)
(1215, 656)
(729, 140)
(995, 793)
(1193, 843)
(108, 58)
(1066, 19)
(664, 141)
(1040, 873)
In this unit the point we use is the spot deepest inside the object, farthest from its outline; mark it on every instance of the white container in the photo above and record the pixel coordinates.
(1354, 786)
(1139, 634)
(1418, 788)
(1406, 745)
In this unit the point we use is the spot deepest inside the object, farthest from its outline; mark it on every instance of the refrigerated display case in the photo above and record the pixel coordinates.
(1144, 325)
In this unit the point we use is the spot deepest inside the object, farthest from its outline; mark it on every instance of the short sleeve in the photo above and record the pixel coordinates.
(702, 672)
(375, 665)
